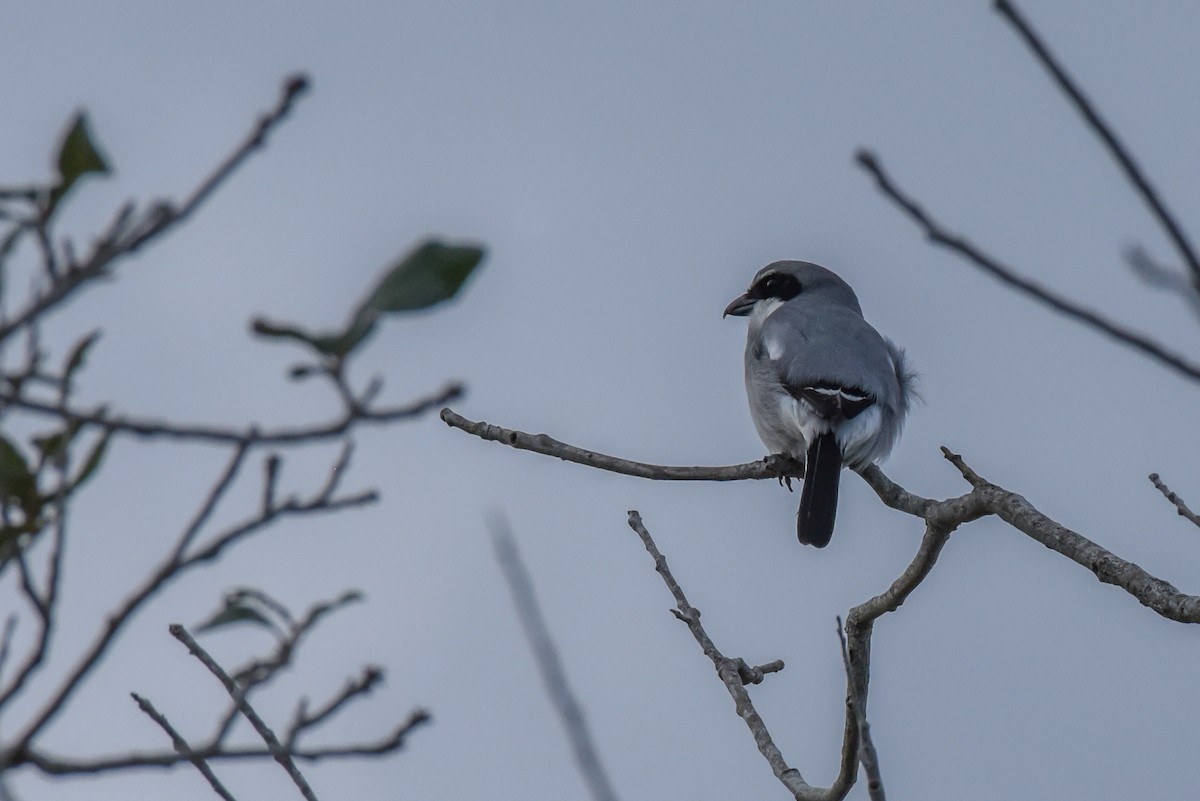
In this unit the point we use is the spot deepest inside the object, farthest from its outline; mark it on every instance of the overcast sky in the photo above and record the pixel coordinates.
(629, 166)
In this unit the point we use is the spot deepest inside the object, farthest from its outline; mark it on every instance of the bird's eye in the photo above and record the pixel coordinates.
(776, 285)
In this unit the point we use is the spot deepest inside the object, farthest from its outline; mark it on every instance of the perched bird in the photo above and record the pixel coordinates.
(825, 387)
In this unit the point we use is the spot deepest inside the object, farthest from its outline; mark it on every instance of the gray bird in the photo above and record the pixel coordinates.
(825, 388)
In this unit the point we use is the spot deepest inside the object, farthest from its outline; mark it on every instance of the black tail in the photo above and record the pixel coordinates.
(818, 501)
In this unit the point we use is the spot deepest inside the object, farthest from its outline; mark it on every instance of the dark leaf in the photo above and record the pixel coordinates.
(432, 273)
(236, 614)
(77, 156)
(15, 479)
(250, 605)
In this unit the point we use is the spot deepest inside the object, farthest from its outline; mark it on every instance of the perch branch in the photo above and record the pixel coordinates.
(984, 499)
(543, 444)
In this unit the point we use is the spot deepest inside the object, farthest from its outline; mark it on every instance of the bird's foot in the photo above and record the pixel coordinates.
(785, 468)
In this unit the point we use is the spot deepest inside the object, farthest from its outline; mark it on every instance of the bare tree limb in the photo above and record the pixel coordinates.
(984, 499)
(959, 244)
(857, 701)
(53, 765)
(303, 719)
(554, 675)
(543, 444)
(182, 748)
(6, 637)
(175, 564)
(1178, 502)
(125, 236)
(251, 435)
(276, 748)
(1107, 135)
(731, 674)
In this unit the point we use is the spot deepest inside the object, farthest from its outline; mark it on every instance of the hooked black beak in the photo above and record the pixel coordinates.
(741, 306)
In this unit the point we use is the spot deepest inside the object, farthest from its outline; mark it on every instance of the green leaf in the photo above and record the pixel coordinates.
(431, 274)
(77, 156)
(15, 479)
(236, 613)
(250, 605)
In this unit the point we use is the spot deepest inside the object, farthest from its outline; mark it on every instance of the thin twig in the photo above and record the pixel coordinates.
(10, 628)
(142, 427)
(120, 241)
(173, 566)
(1107, 135)
(728, 670)
(209, 505)
(554, 676)
(276, 748)
(303, 719)
(1180, 506)
(181, 747)
(1070, 308)
(53, 765)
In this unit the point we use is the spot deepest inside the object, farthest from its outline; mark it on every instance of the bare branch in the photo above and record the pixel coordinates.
(141, 427)
(984, 499)
(541, 443)
(173, 566)
(52, 765)
(554, 676)
(276, 748)
(1059, 303)
(857, 700)
(1104, 131)
(124, 237)
(10, 628)
(1180, 506)
(215, 493)
(304, 720)
(182, 748)
(987, 498)
(45, 616)
(731, 676)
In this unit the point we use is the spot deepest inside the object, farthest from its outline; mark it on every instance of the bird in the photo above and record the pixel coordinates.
(825, 388)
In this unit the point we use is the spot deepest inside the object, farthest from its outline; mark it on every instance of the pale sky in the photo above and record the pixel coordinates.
(629, 166)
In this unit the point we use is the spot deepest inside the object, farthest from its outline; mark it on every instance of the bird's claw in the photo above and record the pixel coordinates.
(785, 468)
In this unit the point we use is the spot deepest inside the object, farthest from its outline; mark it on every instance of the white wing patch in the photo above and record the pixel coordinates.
(774, 349)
